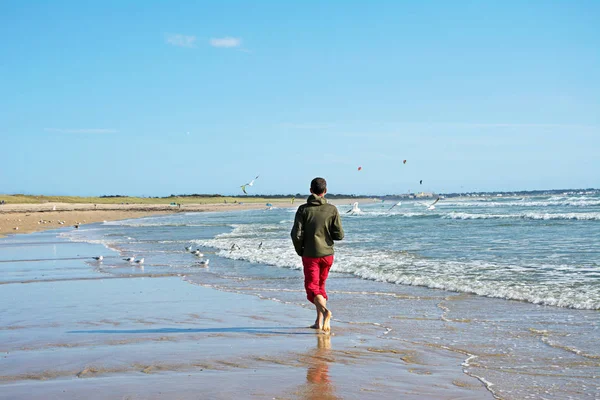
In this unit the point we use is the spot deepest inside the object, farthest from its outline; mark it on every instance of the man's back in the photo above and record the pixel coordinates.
(316, 226)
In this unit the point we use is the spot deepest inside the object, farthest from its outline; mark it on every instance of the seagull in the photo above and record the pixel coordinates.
(188, 248)
(197, 253)
(355, 209)
(99, 258)
(397, 204)
(251, 183)
(234, 247)
(140, 261)
(130, 259)
(260, 245)
(432, 205)
(204, 262)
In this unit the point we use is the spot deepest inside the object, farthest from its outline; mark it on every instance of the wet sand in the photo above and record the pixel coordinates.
(68, 331)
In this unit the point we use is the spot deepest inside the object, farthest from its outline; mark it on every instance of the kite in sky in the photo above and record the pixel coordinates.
(421, 182)
(404, 162)
(359, 168)
(251, 183)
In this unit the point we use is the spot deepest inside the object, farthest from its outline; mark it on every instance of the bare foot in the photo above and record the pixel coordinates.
(314, 326)
(327, 321)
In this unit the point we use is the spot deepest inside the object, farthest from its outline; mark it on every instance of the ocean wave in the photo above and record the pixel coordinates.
(561, 203)
(511, 282)
(443, 214)
(593, 216)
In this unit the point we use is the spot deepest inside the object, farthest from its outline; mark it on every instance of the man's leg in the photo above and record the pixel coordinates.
(325, 264)
(311, 285)
(318, 321)
(321, 304)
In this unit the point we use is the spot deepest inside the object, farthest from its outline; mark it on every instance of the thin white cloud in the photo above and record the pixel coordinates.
(225, 42)
(96, 131)
(179, 40)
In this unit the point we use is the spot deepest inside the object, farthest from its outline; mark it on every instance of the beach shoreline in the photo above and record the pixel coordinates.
(164, 327)
(28, 218)
(35, 217)
(151, 336)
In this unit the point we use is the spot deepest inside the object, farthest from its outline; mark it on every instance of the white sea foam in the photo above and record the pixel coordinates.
(478, 277)
(556, 203)
(592, 216)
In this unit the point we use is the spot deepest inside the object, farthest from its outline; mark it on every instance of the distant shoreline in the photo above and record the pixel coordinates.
(18, 218)
(207, 199)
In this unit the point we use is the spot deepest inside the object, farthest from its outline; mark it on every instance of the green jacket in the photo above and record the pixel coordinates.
(316, 226)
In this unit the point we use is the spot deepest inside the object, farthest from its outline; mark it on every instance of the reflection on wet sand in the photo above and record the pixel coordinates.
(319, 385)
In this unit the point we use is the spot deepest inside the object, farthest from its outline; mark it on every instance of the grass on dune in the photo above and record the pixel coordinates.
(31, 199)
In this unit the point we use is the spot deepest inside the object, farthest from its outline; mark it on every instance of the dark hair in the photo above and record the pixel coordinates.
(318, 186)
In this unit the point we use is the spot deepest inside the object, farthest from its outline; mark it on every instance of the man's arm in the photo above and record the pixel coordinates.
(337, 232)
(298, 233)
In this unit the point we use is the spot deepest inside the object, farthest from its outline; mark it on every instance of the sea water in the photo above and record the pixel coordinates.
(512, 283)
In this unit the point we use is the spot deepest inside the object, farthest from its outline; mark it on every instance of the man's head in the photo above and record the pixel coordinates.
(318, 186)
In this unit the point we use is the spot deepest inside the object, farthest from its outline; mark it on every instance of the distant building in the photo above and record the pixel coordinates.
(424, 195)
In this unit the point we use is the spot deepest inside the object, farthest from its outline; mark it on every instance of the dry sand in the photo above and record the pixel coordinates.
(27, 218)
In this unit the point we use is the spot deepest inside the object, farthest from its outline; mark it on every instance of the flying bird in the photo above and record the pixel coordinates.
(355, 209)
(432, 205)
(251, 183)
(397, 204)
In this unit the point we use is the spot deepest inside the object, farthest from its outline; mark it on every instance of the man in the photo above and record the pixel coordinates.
(316, 226)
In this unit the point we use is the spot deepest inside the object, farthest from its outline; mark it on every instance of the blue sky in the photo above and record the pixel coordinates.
(153, 98)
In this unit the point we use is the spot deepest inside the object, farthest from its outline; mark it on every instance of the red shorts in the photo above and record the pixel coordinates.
(316, 271)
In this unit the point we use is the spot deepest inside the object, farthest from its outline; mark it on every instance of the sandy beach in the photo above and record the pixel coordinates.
(70, 330)
(73, 327)
(27, 218)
